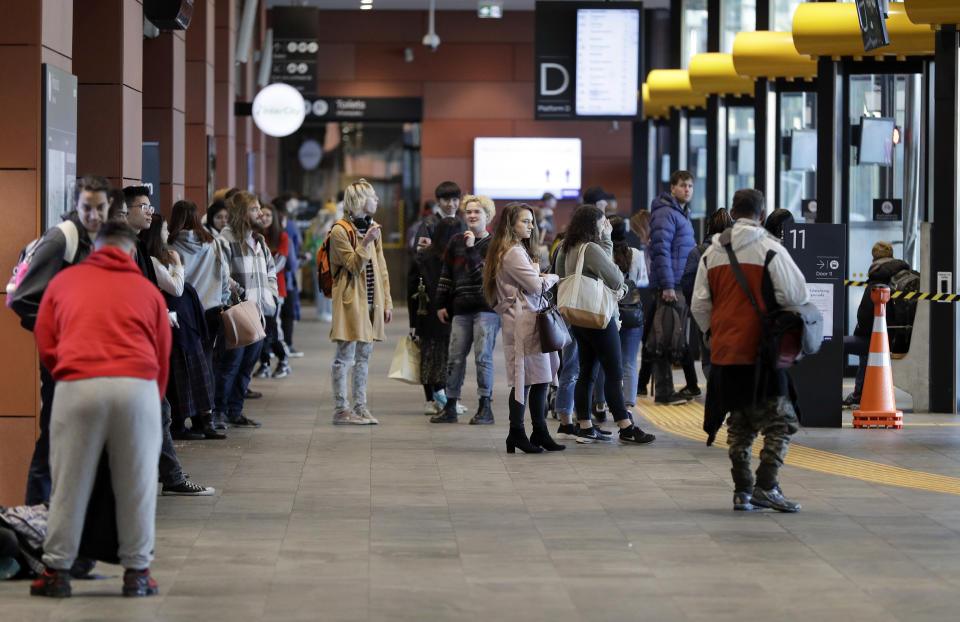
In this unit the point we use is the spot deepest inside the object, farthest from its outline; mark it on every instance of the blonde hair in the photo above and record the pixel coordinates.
(355, 195)
(504, 238)
(483, 201)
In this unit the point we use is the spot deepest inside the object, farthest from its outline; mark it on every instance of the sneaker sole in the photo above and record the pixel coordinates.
(43, 592)
(483, 422)
(352, 423)
(630, 441)
(149, 591)
(745, 508)
(763, 504)
(170, 493)
(584, 440)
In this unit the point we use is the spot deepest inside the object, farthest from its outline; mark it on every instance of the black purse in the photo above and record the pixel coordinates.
(631, 306)
(550, 326)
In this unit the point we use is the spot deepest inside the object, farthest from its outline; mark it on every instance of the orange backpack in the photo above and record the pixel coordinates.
(325, 274)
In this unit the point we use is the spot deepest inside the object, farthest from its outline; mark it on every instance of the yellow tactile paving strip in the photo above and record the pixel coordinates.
(687, 420)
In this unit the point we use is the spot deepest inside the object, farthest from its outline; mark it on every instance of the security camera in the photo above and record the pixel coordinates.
(432, 41)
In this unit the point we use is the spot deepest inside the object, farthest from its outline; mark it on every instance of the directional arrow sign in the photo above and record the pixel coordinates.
(820, 263)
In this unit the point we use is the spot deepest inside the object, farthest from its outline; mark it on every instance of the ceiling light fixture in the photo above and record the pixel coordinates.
(366, 7)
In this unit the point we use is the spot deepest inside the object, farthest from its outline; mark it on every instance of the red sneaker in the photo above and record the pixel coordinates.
(138, 583)
(52, 583)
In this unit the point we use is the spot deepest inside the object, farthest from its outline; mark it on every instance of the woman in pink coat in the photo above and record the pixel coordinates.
(515, 287)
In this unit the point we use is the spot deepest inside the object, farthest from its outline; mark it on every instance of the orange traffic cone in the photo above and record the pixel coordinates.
(877, 406)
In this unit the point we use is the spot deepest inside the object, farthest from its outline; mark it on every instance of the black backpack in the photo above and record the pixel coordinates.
(667, 339)
(901, 311)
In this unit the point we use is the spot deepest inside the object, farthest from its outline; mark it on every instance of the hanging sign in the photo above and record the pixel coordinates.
(278, 110)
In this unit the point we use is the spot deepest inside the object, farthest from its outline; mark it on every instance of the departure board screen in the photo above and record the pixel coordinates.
(607, 62)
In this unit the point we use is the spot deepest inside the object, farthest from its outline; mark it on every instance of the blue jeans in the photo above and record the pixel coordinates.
(567, 380)
(233, 376)
(466, 330)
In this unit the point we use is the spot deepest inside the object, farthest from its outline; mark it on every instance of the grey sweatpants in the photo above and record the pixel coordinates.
(123, 416)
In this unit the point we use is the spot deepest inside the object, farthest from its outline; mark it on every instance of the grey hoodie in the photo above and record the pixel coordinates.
(204, 269)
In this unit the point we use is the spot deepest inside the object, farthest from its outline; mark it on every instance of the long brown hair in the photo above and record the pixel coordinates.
(274, 232)
(238, 206)
(640, 225)
(504, 238)
(622, 255)
(186, 217)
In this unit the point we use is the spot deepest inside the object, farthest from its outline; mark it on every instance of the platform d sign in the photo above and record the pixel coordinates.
(278, 109)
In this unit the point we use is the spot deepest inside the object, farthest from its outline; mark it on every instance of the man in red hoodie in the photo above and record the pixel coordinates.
(111, 363)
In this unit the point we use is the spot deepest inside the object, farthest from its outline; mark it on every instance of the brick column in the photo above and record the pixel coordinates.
(110, 76)
(31, 33)
(225, 45)
(164, 112)
(199, 100)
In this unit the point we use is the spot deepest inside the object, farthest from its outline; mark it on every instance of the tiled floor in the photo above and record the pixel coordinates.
(412, 521)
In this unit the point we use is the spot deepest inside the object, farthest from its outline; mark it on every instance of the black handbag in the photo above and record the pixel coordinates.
(631, 306)
(550, 326)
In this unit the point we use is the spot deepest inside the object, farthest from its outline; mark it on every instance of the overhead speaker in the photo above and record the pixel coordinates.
(169, 14)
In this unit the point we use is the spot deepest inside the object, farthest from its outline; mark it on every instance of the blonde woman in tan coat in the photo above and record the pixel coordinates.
(361, 300)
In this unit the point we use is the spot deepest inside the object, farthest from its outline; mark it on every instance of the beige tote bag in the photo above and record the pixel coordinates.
(584, 301)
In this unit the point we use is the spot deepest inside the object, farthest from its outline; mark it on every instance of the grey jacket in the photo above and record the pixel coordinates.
(597, 263)
(204, 269)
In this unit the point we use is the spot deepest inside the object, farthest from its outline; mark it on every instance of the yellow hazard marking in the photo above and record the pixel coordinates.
(687, 421)
(909, 295)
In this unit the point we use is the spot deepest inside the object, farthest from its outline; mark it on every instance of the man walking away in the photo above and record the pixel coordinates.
(721, 306)
(111, 364)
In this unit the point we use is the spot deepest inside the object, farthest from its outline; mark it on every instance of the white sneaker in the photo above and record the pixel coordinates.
(363, 413)
(348, 417)
(431, 408)
(325, 317)
(461, 408)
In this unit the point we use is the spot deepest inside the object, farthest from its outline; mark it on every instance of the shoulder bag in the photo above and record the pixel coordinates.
(550, 325)
(584, 301)
(242, 323)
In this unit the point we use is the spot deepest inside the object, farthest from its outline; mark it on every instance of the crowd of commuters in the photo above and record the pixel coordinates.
(156, 354)
(133, 356)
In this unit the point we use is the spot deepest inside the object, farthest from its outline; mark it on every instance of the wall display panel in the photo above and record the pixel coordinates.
(526, 168)
(589, 60)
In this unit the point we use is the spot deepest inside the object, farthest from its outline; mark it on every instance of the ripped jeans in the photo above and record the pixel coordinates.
(349, 354)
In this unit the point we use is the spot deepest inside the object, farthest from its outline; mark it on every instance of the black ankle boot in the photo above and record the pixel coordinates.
(204, 424)
(542, 438)
(484, 414)
(449, 414)
(517, 439)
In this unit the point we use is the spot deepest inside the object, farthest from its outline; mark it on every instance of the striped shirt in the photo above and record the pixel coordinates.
(362, 224)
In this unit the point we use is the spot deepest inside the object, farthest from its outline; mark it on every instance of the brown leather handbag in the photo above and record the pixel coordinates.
(242, 323)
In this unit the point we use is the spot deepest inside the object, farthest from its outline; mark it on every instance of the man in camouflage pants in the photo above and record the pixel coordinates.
(756, 398)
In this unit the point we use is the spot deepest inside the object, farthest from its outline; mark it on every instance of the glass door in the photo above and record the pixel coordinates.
(741, 150)
(797, 152)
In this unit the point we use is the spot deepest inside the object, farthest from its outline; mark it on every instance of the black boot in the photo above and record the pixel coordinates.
(204, 424)
(449, 414)
(484, 414)
(541, 437)
(517, 439)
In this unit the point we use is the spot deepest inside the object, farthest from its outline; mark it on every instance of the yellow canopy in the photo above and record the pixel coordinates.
(671, 88)
(714, 73)
(652, 109)
(833, 29)
(768, 54)
(936, 12)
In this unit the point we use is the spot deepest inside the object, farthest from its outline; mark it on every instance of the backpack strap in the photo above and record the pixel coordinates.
(70, 232)
(727, 240)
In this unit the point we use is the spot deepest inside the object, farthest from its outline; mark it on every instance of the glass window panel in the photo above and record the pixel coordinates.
(741, 150)
(738, 16)
(694, 30)
(797, 181)
(781, 14)
(697, 165)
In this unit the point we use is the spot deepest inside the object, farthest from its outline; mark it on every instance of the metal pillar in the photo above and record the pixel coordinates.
(944, 378)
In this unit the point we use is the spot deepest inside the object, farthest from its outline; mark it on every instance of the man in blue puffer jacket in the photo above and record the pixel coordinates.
(671, 240)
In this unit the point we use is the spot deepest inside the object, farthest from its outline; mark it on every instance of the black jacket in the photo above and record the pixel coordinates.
(47, 262)
(880, 273)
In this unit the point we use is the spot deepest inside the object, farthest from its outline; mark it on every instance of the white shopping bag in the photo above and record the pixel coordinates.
(405, 366)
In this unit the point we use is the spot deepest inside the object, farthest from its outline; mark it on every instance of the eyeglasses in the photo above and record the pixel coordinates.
(146, 208)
